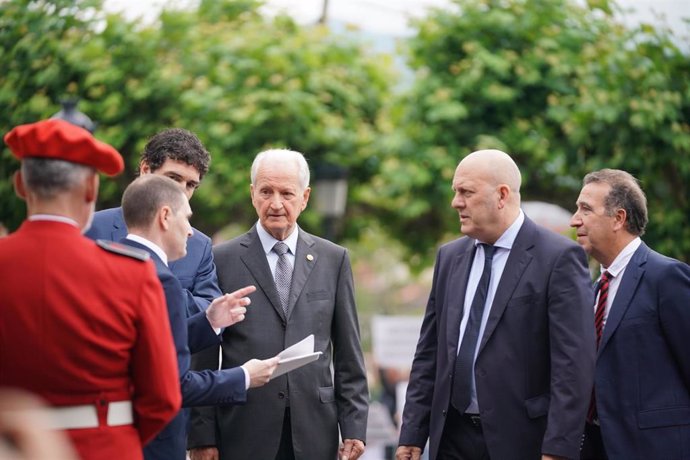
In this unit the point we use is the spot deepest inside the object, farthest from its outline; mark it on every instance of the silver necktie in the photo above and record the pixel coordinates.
(283, 274)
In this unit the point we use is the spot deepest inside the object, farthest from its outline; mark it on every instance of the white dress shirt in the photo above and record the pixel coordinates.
(616, 269)
(503, 246)
(268, 241)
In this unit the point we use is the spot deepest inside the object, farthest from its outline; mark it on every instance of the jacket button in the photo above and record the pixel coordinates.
(444, 412)
(281, 395)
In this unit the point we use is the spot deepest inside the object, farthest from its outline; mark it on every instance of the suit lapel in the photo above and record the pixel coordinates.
(516, 265)
(303, 267)
(455, 300)
(626, 290)
(254, 258)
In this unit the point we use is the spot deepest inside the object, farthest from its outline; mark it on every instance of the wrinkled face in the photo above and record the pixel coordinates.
(278, 198)
(179, 231)
(184, 174)
(595, 229)
(476, 201)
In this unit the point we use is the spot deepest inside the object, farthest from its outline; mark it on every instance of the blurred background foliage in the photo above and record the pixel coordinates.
(560, 84)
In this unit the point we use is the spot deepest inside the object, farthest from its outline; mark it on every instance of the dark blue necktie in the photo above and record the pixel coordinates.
(464, 363)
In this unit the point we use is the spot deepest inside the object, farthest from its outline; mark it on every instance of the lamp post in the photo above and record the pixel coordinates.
(330, 190)
(70, 113)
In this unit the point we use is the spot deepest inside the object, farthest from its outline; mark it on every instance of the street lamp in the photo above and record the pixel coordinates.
(330, 190)
(70, 113)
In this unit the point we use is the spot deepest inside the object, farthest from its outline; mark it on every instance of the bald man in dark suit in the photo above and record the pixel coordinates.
(505, 357)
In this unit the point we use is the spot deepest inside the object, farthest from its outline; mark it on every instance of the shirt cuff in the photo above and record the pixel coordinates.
(247, 380)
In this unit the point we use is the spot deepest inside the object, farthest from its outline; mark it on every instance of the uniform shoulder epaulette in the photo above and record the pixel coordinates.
(123, 250)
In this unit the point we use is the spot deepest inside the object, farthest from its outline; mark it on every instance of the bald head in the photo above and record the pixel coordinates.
(494, 166)
(487, 194)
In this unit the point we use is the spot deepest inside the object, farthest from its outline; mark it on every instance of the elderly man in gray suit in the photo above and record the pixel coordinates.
(304, 287)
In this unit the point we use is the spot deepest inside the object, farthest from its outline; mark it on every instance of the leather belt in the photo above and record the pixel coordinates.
(86, 416)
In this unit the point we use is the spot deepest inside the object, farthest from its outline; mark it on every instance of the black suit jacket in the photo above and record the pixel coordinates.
(534, 369)
(321, 303)
(643, 362)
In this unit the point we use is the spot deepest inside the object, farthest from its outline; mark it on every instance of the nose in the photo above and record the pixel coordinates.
(575, 221)
(276, 201)
(457, 202)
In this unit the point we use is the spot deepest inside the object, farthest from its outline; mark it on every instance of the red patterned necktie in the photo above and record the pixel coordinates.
(601, 304)
(603, 289)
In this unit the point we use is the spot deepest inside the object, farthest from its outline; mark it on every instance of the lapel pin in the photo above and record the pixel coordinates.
(310, 257)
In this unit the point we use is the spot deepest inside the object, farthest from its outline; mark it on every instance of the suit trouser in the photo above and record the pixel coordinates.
(462, 438)
(285, 449)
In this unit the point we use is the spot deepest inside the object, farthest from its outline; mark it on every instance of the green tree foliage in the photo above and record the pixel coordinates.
(35, 72)
(563, 87)
(240, 81)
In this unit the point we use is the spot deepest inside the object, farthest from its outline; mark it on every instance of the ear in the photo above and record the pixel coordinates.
(144, 167)
(503, 194)
(164, 216)
(91, 190)
(305, 197)
(619, 219)
(19, 189)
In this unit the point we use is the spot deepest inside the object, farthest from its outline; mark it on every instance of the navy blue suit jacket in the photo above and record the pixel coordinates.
(642, 374)
(202, 388)
(534, 369)
(196, 271)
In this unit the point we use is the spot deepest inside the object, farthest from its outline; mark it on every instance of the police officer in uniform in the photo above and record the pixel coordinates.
(83, 324)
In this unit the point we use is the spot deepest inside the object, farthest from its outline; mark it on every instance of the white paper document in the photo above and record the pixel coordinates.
(296, 356)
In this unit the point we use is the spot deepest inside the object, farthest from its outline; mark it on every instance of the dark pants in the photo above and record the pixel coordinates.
(285, 450)
(462, 438)
(592, 444)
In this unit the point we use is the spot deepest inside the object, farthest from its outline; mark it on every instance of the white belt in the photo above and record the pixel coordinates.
(86, 416)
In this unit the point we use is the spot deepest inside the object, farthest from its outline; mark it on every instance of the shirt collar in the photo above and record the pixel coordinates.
(623, 257)
(53, 218)
(268, 241)
(151, 245)
(506, 240)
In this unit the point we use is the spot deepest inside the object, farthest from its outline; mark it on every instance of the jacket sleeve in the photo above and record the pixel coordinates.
(417, 412)
(205, 287)
(200, 334)
(572, 349)
(156, 394)
(352, 393)
(210, 388)
(674, 313)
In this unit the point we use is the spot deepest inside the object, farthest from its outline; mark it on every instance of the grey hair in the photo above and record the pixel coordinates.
(626, 194)
(47, 177)
(283, 155)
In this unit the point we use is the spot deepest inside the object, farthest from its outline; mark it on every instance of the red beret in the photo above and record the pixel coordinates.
(61, 140)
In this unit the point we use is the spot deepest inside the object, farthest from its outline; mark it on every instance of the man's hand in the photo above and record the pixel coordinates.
(350, 449)
(408, 453)
(229, 309)
(260, 371)
(204, 453)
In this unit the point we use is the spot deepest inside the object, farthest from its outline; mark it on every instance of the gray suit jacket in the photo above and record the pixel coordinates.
(321, 303)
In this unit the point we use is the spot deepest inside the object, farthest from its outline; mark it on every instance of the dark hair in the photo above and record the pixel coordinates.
(144, 197)
(176, 144)
(625, 194)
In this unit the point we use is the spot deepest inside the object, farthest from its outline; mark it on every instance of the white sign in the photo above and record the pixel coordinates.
(394, 340)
